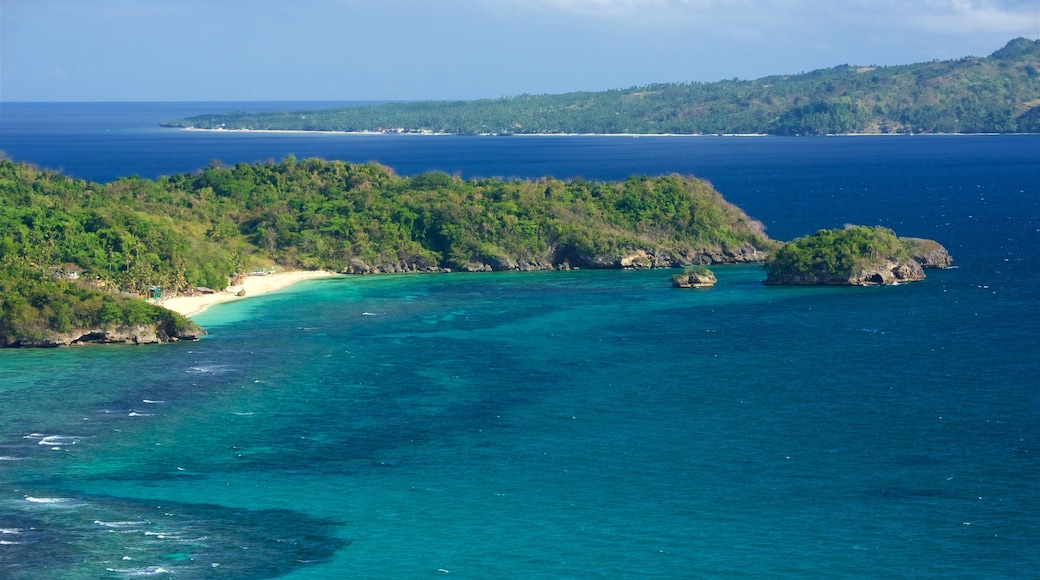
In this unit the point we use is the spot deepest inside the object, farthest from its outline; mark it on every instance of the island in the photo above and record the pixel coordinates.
(854, 256)
(84, 262)
(694, 277)
(999, 93)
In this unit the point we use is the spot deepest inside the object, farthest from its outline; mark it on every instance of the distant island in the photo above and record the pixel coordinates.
(995, 94)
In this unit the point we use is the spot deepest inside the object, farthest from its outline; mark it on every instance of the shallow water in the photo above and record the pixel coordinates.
(548, 424)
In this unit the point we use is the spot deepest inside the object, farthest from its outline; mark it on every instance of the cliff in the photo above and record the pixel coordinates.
(138, 334)
(928, 253)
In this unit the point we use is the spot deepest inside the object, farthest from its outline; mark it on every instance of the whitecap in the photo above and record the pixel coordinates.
(118, 524)
(369, 314)
(197, 540)
(151, 402)
(55, 501)
(136, 414)
(8, 543)
(164, 535)
(211, 369)
(10, 458)
(59, 440)
(136, 572)
(10, 530)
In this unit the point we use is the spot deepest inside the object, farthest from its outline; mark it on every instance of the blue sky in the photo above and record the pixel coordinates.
(193, 50)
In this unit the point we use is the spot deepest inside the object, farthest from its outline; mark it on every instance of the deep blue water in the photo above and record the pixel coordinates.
(580, 424)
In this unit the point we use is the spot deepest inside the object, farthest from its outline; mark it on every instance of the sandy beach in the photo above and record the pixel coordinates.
(254, 285)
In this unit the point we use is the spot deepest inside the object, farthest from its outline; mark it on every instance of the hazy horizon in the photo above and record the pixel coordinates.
(410, 50)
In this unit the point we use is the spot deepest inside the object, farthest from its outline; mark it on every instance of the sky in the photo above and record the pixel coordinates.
(349, 50)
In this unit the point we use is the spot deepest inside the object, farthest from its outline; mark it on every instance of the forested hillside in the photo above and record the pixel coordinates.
(69, 247)
(996, 94)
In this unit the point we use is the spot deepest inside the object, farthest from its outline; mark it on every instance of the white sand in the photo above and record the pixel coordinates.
(253, 286)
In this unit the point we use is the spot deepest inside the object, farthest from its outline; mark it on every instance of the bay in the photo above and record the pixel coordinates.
(579, 424)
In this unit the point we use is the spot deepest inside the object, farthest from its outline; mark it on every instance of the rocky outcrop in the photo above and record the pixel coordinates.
(563, 259)
(883, 272)
(638, 260)
(642, 258)
(745, 254)
(141, 334)
(855, 256)
(694, 278)
(928, 253)
(890, 272)
(359, 266)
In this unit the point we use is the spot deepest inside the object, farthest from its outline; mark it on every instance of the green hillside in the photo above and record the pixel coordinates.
(71, 250)
(996, 94)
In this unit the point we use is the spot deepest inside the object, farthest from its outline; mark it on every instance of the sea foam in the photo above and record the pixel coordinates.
(53, 501)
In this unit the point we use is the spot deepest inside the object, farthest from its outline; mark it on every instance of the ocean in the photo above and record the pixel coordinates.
(583, 424)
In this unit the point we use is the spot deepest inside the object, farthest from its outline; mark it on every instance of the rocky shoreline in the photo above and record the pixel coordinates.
(883, 270)
(139, 334)
(634, 259)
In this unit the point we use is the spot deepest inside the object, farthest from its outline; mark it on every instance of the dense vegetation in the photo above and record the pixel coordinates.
(996, 94)
(837, 254)
(32, 306)
(52, 229)
(198, 229)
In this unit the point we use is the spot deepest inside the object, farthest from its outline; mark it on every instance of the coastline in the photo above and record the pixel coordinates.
(251, 285)
(441, 134)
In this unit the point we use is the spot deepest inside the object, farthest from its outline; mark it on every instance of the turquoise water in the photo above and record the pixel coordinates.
(581, 424)
(586, 424)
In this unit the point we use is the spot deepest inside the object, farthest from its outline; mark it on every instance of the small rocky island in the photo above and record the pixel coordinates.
(694, 277)
(855, 256)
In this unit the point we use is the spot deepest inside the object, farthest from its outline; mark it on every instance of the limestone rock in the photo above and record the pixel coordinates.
(140, 334)
(694, 278)
(888, 273)
(639, 260)
(928, 253)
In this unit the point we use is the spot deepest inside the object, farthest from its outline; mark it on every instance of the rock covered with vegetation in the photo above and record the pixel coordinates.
(856, 256)
(994, 94)
(71, 251)
(40, 310)
(694, 277)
